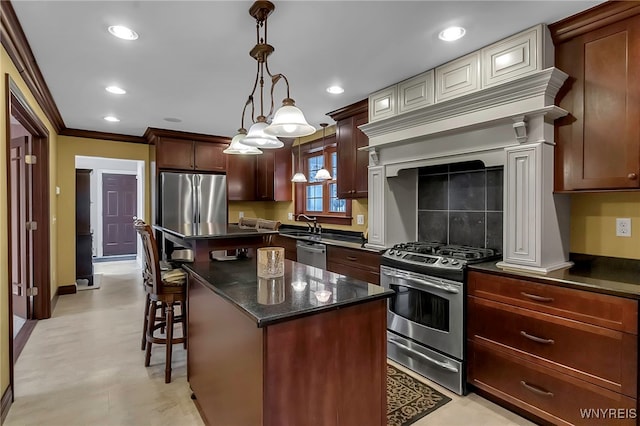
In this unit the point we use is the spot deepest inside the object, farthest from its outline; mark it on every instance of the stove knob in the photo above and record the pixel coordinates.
(454, 262)
(444, 261)
(392, 251)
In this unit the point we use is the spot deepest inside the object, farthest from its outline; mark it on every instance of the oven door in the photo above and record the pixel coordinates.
(425, 309)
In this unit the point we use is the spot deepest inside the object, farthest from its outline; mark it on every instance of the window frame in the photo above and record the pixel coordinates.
(312, 149)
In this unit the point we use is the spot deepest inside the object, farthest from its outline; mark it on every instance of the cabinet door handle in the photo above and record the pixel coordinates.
(537, 298)
(535, 389)
(632, 176)
(352, 258)
(537, 339)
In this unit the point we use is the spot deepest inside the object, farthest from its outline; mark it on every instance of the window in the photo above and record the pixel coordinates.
(319, 198)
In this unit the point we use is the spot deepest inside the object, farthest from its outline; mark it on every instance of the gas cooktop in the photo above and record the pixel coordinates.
(433, 257)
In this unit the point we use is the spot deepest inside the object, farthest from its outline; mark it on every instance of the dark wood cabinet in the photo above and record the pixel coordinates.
(352, 164)
(273, 175)
(359, 264)
(241, 177)
(84, 238)
(598, 143)
(549, 350)
(188, 151)
(289, 244)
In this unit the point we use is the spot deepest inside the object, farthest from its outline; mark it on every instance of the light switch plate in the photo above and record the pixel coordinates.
(623, 227)
(241, 214)
(360, 219)
(290, 216)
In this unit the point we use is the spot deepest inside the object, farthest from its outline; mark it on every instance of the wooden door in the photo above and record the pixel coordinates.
(119, 205)
(21, 241)
(241, 177)
(264, 176)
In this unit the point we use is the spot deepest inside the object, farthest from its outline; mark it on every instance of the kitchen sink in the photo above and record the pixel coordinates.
(319, 237)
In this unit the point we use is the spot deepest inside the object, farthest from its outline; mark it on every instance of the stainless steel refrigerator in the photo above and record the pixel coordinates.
(192, 198)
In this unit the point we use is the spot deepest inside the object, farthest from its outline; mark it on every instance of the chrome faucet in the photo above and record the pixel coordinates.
(312, 228)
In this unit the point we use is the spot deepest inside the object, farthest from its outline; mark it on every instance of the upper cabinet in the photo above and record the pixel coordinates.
(517, 56)
(188, 151)
(352, 163)
(241, 177)
(598, 143)
(273, 175)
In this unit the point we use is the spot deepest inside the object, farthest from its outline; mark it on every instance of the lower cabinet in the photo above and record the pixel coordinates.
(558, 354)
(359, 264)
(289, 244)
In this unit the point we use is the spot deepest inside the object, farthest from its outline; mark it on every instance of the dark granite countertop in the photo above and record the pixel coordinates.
(211, 230)
(332, 237)
(609, 275)
(289, 297)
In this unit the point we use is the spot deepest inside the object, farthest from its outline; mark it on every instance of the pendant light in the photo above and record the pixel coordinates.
(299, 177)
(288, 121)
(237, 147)
(323, 174)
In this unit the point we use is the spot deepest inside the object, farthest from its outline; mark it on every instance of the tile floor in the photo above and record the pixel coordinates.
(84, 366)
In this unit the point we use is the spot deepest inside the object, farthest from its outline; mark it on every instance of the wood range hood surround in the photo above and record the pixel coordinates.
(511, 124)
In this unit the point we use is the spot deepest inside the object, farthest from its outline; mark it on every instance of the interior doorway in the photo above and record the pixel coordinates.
(117, 194)
(29, 217)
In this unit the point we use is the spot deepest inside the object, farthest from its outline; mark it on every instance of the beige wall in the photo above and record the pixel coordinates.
(68, 148)
(7, 67)
(593, 224)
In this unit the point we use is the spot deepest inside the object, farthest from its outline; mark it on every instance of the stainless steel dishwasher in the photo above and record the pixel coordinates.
(312, 253)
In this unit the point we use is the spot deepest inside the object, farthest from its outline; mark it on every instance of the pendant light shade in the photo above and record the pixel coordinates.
(323, 174)
(237, 147)
(299, 178)
(289, 121)
(259, 139)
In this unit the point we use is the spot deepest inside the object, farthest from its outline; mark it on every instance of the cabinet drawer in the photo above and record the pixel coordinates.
(613, 312)
(358, 274)
(354, 258)
(553, 396)
(596, 354)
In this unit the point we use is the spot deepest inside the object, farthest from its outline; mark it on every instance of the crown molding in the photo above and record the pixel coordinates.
(350, 110)
(152, 133)
(91, 134)
(593, 19)
(15, 43)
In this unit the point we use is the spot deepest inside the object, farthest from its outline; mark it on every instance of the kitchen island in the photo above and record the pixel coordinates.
(203, 238)
(268, 352)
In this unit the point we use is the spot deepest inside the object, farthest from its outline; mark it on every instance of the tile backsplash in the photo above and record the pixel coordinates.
(461, 204)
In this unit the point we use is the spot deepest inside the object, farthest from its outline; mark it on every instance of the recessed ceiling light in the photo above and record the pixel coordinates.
(336, 90)
(115, 90)
(123, 32)
(112, 118)
(452, 33)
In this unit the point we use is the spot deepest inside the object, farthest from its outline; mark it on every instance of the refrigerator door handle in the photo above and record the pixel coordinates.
(196, 196)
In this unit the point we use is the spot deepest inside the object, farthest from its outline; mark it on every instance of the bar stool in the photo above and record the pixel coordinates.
(164, 292)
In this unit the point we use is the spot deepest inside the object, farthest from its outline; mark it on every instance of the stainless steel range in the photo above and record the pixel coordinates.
(426, 315)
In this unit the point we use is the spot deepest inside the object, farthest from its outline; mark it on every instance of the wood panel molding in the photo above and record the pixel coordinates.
(90, 134)
(17, 46)
(66, 289)
(593, 19)
(5, 403)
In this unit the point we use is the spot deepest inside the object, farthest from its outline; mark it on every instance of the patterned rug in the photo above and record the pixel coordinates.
(409, 400)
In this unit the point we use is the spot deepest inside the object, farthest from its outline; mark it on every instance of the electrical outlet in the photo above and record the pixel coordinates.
(360, 219)
(240, 215)
(290, 216)
(623, 227)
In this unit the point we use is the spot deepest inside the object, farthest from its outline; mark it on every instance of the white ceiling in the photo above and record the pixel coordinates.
(192, 58)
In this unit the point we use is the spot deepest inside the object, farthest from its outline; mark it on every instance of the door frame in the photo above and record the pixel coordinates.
(17, 105)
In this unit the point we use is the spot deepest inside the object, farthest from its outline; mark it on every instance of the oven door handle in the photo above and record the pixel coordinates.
(448, 289)
(440, 364)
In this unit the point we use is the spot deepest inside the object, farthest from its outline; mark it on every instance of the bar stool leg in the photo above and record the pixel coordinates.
(153, 306)
(145, 321)
(183, 313)
(167, 367)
